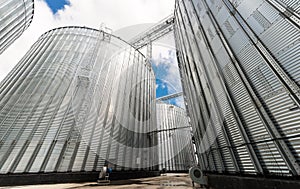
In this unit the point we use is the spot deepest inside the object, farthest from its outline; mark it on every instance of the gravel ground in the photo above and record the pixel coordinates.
(177, 181)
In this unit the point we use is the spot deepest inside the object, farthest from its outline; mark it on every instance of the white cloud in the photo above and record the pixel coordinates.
(164, 56)
(91, 13)
(180, 102)
(156, 86)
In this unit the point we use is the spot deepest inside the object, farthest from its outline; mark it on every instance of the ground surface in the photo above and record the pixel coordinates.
(177, 181)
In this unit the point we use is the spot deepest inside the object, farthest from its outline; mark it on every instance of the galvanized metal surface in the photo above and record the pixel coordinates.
(73, 104)
(176, 151)
(225, 45)
(15, 17)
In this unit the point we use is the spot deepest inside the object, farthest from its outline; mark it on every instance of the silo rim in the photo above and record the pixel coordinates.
(84, 27)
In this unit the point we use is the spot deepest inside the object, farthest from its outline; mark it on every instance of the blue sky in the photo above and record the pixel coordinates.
(161, 70)
(166, 70)
(56, 5)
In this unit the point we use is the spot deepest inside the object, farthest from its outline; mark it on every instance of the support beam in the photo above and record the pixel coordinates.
(168, 97)
(154, 33)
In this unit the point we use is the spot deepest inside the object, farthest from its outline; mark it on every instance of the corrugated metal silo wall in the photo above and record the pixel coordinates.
(175, 147)
(15, 17)
(239, 61)
(78, 100)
